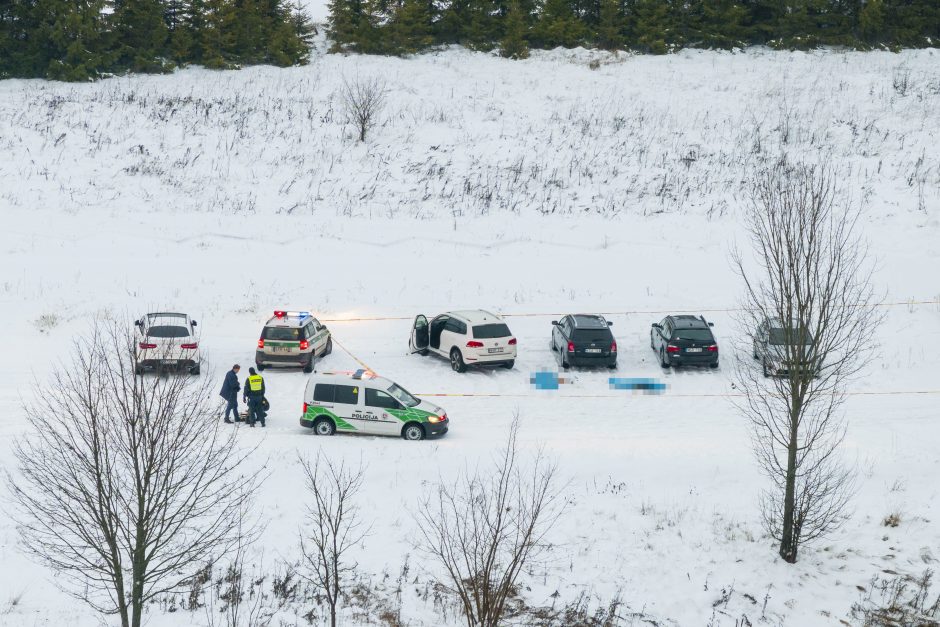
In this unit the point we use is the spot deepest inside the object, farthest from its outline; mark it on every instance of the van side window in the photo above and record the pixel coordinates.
(378, 398)
(347, 394)
(323, 392)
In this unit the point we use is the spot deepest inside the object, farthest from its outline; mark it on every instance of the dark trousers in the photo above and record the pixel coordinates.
(255, 411)
(232, 407)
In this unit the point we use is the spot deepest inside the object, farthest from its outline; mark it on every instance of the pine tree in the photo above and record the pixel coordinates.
(514, 44)
(557, 25)
(651, 26)
(716, 24)
(871, 22)
(68, 39)
(411, 27)
(610, 26)
(487, 24)
(141, 36)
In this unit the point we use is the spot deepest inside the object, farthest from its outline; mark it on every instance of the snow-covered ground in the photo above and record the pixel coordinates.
(531, 188)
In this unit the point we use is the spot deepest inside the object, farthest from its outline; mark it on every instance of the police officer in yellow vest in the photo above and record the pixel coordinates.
(254, 397)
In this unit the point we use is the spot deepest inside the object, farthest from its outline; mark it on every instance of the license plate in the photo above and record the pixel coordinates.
(494, 350)
(592, 350)
(281, 349)
(693, 350)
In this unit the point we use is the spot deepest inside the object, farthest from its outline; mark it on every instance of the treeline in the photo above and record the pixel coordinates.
(648, 26)
(77, 40)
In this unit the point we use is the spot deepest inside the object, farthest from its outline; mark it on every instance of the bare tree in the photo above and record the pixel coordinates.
(363, 100)
(487, 526)
(126, 484)
(812, 284)
(334, 525)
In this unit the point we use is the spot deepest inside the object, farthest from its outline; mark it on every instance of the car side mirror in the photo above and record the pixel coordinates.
(554, 323)
(138, 323)
(711, 324)
(656, 325)
(194, 323)
(609, 323)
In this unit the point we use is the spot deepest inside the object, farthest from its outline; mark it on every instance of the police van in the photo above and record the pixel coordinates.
(363, 402)
(292, 338)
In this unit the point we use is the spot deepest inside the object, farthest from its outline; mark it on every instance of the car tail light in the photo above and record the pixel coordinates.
(305, 409)
(672, 349)
(713, 348)
(261, 343)
(570, 347)
(474, 344)
(190, 346)
(613, 347)
(512, 342)
(304, 345)
(146, 345)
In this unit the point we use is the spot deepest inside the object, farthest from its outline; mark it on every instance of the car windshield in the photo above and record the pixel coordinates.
(778, 337)
(287, 334)
(489, 331)
(167, 331)
(403, 396)
(696, 335)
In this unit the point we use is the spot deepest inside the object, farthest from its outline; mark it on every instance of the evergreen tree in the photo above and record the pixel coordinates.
(651, 26)
(488, 22)
(141, 36)
(871, 22)
(514, 44)
(557, 25)
(610, 26)
(67, 42)
(715, 24)
(411, 28)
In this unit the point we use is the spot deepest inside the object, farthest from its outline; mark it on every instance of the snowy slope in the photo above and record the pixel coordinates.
(231, 194)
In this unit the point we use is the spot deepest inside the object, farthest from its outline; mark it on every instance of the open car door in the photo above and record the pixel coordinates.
(420, 335)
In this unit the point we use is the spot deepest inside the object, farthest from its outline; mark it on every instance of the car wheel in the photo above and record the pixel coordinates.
(413, 432)
(652, 341)
(139, 371)
(764, 365)
(662, 359)
(194, 370)
(456, 361)
(309, 365)
(612, 366)
(324, 426)
(554, 348)
(509, 364)
(714, 365)
(564, 362)
(260, 367)
(329, 346)
(754, 352)
(423, 352)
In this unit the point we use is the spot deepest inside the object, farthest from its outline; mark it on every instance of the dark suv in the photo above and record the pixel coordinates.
(684, 341)
(584, 340)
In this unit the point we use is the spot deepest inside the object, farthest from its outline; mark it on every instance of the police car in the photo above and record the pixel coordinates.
(471, 337)
(363, 402)
(166, 340)
(292, 338)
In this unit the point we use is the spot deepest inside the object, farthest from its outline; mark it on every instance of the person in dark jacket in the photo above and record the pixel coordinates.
(254, 396)
(230, 388)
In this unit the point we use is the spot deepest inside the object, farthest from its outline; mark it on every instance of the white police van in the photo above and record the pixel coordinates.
(363, 402)
(292, 338)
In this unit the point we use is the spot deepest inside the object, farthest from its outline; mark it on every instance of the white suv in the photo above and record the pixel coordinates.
(167, 340)
(467, 338)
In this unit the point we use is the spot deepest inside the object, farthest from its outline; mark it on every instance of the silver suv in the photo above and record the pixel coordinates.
(292, 338)
(783, 349)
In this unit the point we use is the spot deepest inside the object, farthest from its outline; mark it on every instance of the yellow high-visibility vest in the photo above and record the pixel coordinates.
(254, 382)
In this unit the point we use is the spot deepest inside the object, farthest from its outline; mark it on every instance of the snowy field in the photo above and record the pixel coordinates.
(532, 188)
